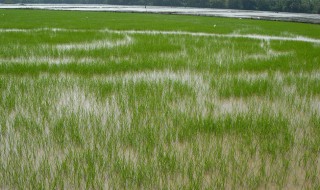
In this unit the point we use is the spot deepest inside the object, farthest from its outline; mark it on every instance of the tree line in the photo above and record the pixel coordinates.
(305, 6)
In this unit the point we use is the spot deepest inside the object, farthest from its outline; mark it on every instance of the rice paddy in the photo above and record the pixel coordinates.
(145, 101)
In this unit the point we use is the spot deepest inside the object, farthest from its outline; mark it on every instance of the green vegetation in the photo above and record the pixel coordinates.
(95, 104)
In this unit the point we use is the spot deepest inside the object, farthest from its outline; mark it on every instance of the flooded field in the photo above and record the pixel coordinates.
(149, 101)
(265, 15)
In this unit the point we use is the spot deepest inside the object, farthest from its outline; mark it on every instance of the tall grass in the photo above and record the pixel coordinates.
(159, 112)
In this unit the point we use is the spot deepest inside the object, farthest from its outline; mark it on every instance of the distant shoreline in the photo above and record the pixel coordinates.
(229, 13)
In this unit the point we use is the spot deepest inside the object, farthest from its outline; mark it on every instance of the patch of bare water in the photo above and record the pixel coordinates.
(96, 44)
(248, 36)
(265, 15)
(49, 60)
(155, 32)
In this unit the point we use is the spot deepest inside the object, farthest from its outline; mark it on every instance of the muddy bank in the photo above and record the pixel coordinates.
(246, 14)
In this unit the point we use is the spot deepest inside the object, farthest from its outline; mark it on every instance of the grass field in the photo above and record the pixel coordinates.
(94, 100)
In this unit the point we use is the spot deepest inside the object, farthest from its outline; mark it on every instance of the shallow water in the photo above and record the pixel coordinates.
(155, 32)
(265, 15)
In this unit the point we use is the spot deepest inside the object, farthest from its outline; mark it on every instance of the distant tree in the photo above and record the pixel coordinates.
(157, 2)
(263, 5)
(235, 4)
(293, 5)
(8, 1)
(184, 3)
(316, 8)
(217, 3)
(305, 5)
(249, 4)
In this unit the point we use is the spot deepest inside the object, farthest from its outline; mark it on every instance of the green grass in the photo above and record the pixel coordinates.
(124, 21)
(93, 109)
